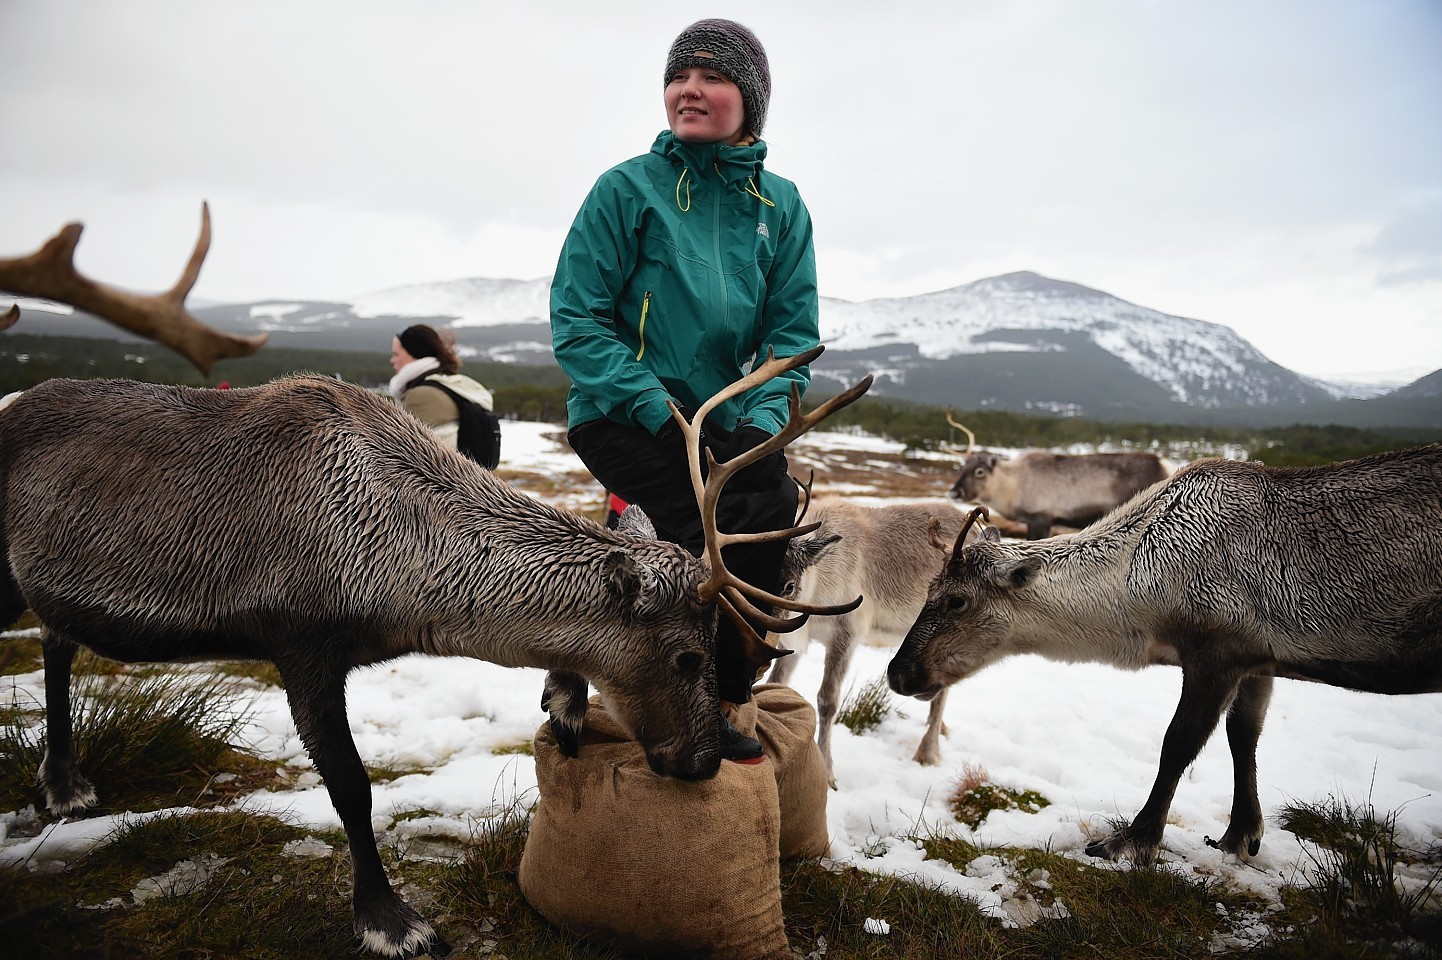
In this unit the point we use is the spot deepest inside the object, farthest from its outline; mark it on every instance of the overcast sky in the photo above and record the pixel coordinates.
(1271, 165)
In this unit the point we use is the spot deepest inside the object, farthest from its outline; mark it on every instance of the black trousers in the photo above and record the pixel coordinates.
(653, 475)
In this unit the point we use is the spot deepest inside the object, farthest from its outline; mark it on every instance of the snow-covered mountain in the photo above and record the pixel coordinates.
(1194, 362)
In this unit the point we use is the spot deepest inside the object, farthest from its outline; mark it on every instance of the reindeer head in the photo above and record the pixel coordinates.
(976, 471)
(662, 689)
(965, 622)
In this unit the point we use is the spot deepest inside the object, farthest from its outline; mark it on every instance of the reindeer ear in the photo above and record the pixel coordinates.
(623, 576)
(635, 523)
(1015, 574)
(806, 551)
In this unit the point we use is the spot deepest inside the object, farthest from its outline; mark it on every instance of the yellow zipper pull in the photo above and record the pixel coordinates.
(641, 327)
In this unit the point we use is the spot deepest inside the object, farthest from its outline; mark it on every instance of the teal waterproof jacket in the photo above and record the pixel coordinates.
(683, 265)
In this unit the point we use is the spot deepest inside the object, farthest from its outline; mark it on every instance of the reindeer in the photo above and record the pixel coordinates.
(1233, 571)
(314, 525)
(885, 554)
(1039, 489)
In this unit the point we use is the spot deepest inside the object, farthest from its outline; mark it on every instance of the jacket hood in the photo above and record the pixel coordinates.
(472, 390)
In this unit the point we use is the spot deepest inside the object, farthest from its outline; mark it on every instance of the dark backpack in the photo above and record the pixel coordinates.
(480, 429)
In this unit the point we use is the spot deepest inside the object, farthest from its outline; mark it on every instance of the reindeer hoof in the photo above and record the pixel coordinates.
(416, 939)
(567, 738)
(1124, 845)
(1234, 844)
(67, 793)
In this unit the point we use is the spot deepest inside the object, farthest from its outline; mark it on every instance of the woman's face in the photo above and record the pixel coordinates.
(704, 106)
(399, 357)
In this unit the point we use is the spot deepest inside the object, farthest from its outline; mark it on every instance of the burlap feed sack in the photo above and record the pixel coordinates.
(654, 866)
(785, 723)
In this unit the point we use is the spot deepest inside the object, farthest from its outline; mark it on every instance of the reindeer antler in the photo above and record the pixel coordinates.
(978, 511)
(726, 589)
(805, 489)
(970, 437)
(50, 273)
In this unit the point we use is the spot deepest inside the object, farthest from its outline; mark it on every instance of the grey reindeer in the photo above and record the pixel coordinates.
(312, 524)
(887, 554)
(1237, 573)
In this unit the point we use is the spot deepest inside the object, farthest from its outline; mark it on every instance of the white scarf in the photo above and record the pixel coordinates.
(410, 372)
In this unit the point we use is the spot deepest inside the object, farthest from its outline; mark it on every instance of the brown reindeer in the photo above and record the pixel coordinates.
(312, 524)
(1235, 572)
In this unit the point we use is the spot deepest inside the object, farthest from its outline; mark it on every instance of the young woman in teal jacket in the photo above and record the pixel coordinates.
(685, 265)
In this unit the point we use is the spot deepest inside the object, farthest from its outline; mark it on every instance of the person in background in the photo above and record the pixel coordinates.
(683, 267)
(424, 359)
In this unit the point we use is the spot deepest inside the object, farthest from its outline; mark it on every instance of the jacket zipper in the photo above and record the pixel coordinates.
(641, 327)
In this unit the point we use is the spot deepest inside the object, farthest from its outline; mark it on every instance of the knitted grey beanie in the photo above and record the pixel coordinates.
(729, 47)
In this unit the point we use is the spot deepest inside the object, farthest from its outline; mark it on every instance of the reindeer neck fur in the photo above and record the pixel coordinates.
(1073, 608)
(529, 591)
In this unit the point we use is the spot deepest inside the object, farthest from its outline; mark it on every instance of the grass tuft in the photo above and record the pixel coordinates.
(142, 741)
(1357, 898)
(974, 798)
(866, 709)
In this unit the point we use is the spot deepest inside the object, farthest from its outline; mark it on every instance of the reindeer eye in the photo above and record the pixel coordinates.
(689, 662)
(788, 590)
(955, 603)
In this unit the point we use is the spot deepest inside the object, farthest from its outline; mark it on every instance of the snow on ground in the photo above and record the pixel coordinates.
(1087, 737)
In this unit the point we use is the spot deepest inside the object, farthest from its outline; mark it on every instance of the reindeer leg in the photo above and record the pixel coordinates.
(1205, 692)
(66, 790)
(1244, 728)
(837, 636)
(564, 696)
(928, 754)
(385, 923)
(1038, 525)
